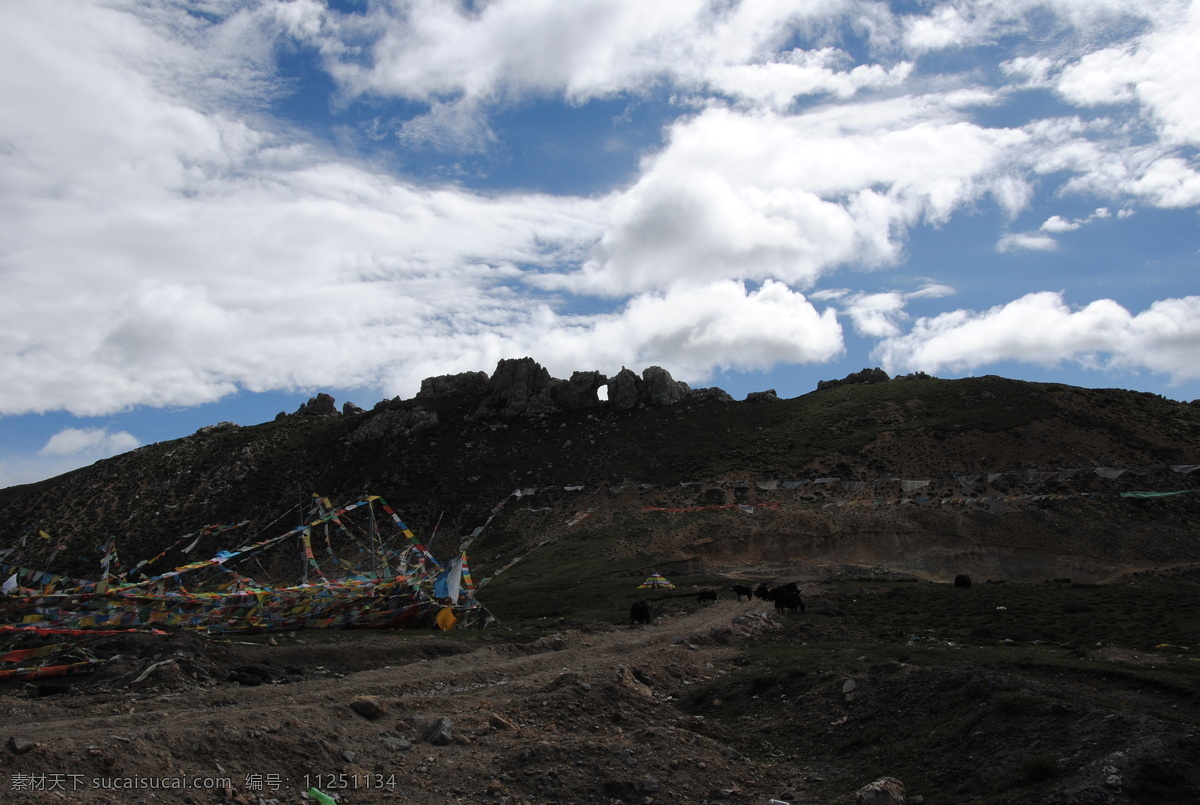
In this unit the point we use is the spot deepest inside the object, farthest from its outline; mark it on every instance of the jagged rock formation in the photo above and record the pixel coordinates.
(660, 388)
(762, 396)
(519, 387)
(654, 387)
(522, 387)
(712, 394)
(321, 405)
(875, 375)
(465, 383)
(623, 390)
(580, 392)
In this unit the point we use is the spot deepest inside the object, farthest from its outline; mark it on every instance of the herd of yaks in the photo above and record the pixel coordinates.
(786, 598)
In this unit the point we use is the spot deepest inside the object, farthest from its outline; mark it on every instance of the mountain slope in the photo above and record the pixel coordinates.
(439, 457)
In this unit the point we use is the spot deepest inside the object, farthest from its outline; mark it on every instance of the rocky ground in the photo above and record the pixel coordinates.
(585, 713)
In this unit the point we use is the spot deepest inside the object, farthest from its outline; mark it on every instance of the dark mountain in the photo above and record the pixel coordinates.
(999, 448)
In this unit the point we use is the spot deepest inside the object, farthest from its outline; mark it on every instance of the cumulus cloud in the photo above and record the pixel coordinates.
(94, 441)
(877, 315)
(1159, 70)
(758, 195)
(1041, 328)
(592, 48)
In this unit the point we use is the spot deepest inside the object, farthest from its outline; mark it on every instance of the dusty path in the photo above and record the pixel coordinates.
(581, 715)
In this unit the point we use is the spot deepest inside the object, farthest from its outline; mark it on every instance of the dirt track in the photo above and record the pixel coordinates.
(581, 715)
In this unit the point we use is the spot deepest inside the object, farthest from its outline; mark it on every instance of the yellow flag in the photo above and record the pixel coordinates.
(446, 619)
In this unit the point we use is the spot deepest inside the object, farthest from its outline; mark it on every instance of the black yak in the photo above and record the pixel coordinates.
(639, 612)
(789, 602)
(706, 595)
(741, 590)
(962, 580)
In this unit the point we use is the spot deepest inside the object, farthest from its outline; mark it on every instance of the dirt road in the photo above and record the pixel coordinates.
(587, 713)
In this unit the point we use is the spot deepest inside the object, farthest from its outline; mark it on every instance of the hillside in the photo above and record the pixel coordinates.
(451, 459)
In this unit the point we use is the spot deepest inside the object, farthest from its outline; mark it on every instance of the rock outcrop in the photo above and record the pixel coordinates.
(474, 384)
(522, 387)
(518, 387)
(659, 388)
(875, 375)
(578, 393)
(624, 390)
(321, 405)
(762, 396)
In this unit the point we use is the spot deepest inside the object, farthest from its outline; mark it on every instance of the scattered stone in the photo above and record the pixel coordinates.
(500, 722)
(884, 791)
(440, 733)
(394, 744)
(627, 678)
(369, 707)
(19, 746)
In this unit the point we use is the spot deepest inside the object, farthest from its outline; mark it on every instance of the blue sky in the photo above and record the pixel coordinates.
(211, 211)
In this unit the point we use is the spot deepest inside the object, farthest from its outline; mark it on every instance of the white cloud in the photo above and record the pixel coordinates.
(1026, 241)
(963, 23)
(1159, 70)
(877, 315)
(98, 442)
(1041, 328)
(776, 84)
(585, 49)
(66, 450)
(697, 329)
(1056, 223)
(760, 195)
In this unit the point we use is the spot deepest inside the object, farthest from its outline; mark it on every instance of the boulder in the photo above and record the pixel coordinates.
(659, 388)
(762, 396)
(349, 409)
(624, 390)
(371, 708)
